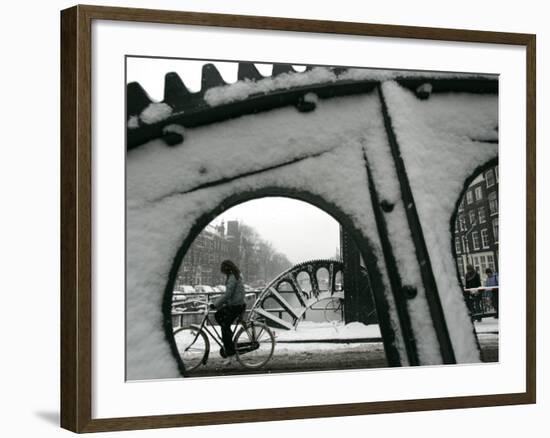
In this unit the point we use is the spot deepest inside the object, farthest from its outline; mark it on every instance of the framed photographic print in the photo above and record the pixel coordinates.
(267, 218)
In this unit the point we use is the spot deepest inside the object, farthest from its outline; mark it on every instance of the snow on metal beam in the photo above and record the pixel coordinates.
(284, 303)
(273, 319)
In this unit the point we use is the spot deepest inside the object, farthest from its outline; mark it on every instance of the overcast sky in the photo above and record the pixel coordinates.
(297, 229)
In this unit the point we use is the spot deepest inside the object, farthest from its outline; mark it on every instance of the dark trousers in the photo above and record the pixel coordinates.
(225, 317)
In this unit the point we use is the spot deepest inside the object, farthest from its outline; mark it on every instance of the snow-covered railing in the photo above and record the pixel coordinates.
(186, 309)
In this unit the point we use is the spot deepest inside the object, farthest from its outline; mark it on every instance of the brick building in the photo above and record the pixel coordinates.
(256, 259)
(476, 225)
(201, 264)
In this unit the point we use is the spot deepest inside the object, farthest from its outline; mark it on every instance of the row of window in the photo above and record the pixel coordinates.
(478, 216)
(477, 193)
(491, 178)
(216, 245)
(479, 240)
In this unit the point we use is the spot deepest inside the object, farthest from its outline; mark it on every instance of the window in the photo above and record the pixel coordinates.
(457, 245)
(496, 173)
(469, 197)
(483, 263)
(493, 203)
(462, 222)
(495, 229)
(475, 262)
(481, 214)
(460, 268)
(485, 238)
(475, 239)
(490, 178)
(491, 262)
(456, 225)
(465, 247)
(461, 205)
(472, 216)
(478, 193)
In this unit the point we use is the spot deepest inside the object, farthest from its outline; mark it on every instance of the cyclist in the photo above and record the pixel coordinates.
(229, 306)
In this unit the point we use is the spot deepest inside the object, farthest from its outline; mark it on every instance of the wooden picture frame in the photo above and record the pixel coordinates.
(76, 217)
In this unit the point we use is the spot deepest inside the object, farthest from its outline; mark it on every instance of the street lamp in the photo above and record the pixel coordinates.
(472, 226)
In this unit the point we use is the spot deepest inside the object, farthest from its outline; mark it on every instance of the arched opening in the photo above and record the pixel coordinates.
(294, 301)
(475, 245)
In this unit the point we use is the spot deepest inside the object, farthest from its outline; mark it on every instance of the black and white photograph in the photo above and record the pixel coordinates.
(275, 219)
(287, 218)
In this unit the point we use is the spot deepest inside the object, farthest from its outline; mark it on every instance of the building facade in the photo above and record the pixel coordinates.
(476, 226)
(201, 264)
(256, 259)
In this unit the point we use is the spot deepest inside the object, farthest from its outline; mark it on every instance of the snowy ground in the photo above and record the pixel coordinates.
(327, 331)
(487, 326)
(335, 346)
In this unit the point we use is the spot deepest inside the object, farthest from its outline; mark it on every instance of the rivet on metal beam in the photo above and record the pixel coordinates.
(173, 135)
(307, 103)
(424, 91)
(387, 206)
(409, 292)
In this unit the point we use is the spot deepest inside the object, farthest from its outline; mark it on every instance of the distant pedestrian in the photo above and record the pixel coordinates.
(229, 306)
(492, 277)
(472, 278)
(473, 298)
(492, 281)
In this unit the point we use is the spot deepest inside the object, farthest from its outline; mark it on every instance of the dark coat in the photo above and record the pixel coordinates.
(472, 280)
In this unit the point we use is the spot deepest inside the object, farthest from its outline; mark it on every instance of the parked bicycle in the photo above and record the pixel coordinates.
(254, 341)
(333, 308)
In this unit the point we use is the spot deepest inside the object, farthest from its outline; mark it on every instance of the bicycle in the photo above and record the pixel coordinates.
(254, 341)
(333, 310)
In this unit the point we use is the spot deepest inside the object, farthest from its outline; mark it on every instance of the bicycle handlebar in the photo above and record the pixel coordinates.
(206, 305)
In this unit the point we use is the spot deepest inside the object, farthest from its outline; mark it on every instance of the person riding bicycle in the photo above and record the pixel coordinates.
(229, 306)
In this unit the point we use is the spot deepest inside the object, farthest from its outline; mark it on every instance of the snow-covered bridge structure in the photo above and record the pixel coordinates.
(386, 153)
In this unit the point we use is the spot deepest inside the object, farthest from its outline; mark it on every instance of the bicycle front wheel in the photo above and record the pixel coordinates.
(254, 345)
(192, 345)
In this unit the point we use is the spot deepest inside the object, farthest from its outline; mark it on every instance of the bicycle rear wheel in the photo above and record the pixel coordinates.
(193, 346)
(254, 345)
(334, 310)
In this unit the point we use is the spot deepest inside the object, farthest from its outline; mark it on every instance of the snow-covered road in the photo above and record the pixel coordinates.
(326, 346)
